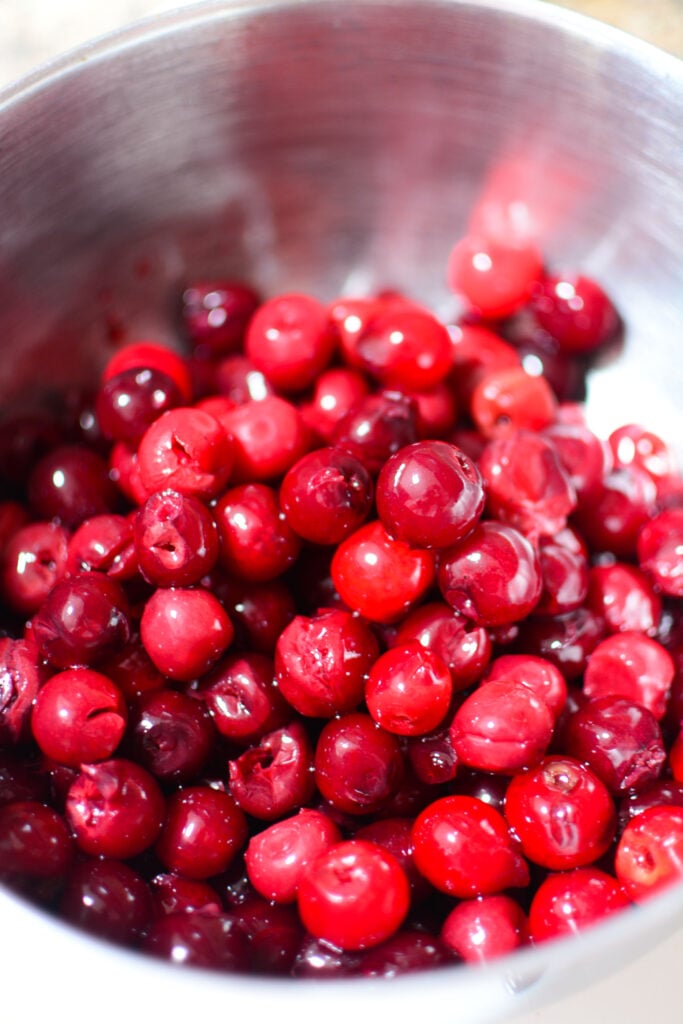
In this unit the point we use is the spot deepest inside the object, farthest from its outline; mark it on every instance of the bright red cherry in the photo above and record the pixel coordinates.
(649, 857)
(184, 631)
(512, 399)
(355, 895)
(482, 929)
(660, 551)
(78, 716)
(495, 277)
(463, 847)
(322, 662)
(380, 577)
(408, 690)
(277, 857)
(631, 665)
(562, 814)
(187, 450)
(569, 902)
(526, 485)
(291, 340)
(503, 726)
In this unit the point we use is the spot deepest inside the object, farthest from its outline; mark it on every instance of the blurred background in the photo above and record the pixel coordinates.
(33, 31)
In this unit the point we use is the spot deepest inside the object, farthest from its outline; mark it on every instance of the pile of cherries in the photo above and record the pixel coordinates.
(340, 644)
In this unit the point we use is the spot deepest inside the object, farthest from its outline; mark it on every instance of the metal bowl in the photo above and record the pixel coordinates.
(336, 146)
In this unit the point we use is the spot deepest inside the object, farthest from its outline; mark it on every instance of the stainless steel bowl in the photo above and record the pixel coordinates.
(337, 146)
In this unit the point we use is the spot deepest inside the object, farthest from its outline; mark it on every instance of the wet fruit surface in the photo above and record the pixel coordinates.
(335, 643)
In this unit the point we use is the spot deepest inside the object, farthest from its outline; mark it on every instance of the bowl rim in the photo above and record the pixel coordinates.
(517, 972)
(106, 45)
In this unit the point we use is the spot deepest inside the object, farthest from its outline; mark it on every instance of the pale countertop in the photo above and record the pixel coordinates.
(33, 31)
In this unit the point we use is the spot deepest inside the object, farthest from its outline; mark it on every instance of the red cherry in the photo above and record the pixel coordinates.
(354, 896)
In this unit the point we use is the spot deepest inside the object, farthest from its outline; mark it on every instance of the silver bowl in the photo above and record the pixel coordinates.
(336, 147)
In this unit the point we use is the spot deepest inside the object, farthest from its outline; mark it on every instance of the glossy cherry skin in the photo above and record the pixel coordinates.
(465, 648)
(631, 665)
(256, 541)
(203, 831)
(619, 739)
(20, 680)
(150, 355)
(508, 400)
(355, 895)
(176, 540)
(496, 277)
(326, 495)
(479, 930)
(322, 662)
(432, 756)
(335, 392)
(237, 379)
(34, 842)
(187, 450)
(269, 436)
(103, 544)
(565, 640)
(78, 716)
(115, 809)
(376, 427)
(625, 598)
(619, 508)
(503, 726)
(274, 777)
(277, 857)
(575, 311)
(492, 577)
(358, 766)
(649, 856)
(170, 734)
(585, 457)
(185, 632)
(408, 690)
(109, 899)
(290, 339)
(71, 484)
(463, 847)
(200, 938)
(659, 547)
(540, 675)
(242, 697)
(429, 494)
(380, 577)
(477, 351)
(215, 314)
(526, 485)
(561, 813)
(570, 902)
(404, 346)
(128, 403)
(83, 620)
